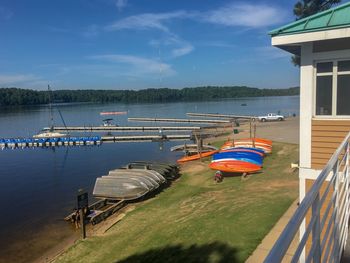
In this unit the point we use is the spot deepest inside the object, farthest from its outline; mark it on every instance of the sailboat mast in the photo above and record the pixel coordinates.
(50, 107)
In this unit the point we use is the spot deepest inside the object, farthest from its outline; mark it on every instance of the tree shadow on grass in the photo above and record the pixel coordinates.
(213, 252)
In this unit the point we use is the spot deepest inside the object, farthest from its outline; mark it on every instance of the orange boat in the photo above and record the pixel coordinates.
(255, 140)
(234, 166)
(241, 150)
(196, 156)
(255, 143)
(113, 112)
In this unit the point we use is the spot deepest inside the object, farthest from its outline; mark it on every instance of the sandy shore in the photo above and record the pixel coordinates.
(284, 131)
(279, 131)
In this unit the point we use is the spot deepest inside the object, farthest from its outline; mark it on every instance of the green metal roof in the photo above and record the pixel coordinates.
(337, 17)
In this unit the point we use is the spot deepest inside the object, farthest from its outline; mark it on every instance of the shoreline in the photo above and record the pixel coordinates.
(269, 130)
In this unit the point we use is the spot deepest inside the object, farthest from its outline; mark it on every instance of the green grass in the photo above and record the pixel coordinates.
(197, 220)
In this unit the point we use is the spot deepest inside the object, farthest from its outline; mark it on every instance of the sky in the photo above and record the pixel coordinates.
(137, 44)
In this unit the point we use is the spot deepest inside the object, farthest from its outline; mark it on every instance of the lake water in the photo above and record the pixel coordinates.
(38, 186)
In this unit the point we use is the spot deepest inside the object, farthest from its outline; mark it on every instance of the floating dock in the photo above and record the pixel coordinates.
(179, 120)
(121, 129)
(15, 143)
(146, 138)
(216, 115)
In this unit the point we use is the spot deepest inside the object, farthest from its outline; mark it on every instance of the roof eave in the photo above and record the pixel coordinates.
(282, 30)
(276, 32)
(298, 39)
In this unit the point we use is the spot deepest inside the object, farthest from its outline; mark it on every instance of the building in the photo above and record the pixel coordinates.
(323, 43)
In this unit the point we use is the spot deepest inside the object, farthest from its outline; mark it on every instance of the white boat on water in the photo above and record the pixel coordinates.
(50, 134)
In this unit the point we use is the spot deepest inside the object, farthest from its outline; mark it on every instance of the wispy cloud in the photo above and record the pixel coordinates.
(5, 13)
(234, 14)
(270, 52)
(184, 50)
(259, 55)
(23, 80)
(179, 47)
(57, 29)
(138, 65)
(146, 21)
(245, 15)
(220, 44)
(91, 31)
(17, 78)
(121, 4)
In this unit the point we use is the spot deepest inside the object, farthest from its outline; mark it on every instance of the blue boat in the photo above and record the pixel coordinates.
(240, 156)
(250, 148)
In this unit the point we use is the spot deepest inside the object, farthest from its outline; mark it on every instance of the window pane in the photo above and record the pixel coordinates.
(343, 96)
(324, 95)
(324, 67)
(344, 65)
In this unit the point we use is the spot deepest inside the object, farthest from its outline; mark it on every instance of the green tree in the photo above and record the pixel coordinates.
(305, 8)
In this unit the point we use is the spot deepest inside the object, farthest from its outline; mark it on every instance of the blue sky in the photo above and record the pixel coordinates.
(134, 44)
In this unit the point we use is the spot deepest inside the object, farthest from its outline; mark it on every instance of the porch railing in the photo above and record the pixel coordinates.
(323, 213)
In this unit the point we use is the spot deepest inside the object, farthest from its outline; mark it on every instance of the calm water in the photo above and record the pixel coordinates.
(38, 186)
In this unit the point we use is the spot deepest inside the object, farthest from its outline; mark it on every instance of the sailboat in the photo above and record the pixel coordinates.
(50, 133)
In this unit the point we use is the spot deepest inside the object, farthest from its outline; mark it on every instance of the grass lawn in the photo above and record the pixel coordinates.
(198, 220)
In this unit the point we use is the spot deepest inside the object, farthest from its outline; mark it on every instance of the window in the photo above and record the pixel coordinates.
(333, 88)
(324, 95)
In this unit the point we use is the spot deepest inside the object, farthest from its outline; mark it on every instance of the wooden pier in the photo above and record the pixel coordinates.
(121, 129)
(179, 120)
(216, 115)
(21, 143)
(146, 138)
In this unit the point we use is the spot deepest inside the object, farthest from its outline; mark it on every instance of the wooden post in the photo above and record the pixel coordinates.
(82, 224)
(199, 148)
(233, 135)
(83, 203)
(254, 134)
(250, 128)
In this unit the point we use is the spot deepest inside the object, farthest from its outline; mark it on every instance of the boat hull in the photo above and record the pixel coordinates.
(234, 166)
(147, 173)
(196, 156)
(119, 188)
(249, 143)
(239, 156)
(243, 149)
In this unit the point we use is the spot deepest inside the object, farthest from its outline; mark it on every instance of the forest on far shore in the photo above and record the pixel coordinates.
(16, 96)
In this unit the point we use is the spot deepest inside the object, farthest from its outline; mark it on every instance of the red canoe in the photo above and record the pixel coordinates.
(234, 166)
(113, 113)
(196, 156)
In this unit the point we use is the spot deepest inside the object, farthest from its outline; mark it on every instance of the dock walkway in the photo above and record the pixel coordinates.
(122, 128)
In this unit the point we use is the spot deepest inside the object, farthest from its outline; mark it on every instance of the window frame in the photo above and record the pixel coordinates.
(334, 75)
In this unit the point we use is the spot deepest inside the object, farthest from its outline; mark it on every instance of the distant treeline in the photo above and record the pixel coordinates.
(15, 96)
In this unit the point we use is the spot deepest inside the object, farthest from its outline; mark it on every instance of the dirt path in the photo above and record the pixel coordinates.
(279, 131)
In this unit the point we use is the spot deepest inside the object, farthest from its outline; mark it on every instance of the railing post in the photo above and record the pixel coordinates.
(316, 231)
(347, 194)
(336, 214)
(333, 247)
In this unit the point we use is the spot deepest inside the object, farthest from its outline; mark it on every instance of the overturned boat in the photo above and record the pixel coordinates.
(168, 171)
(158, 178)
(119, 188)
(192, 148)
